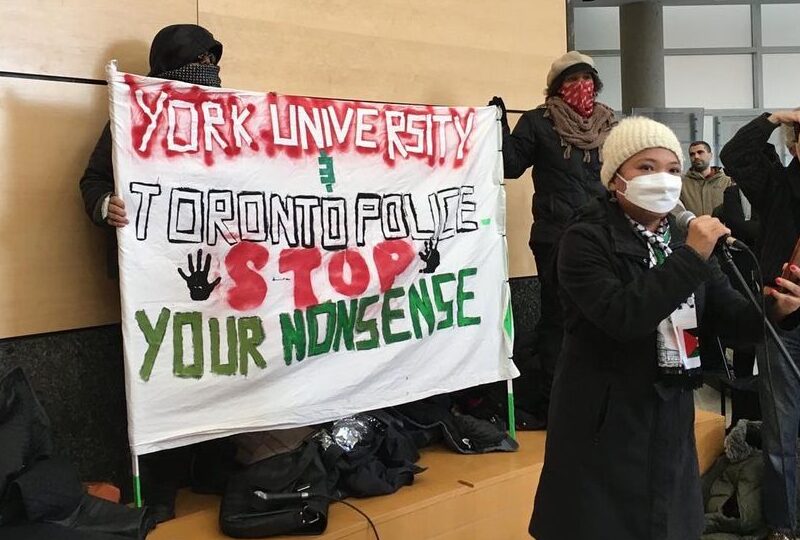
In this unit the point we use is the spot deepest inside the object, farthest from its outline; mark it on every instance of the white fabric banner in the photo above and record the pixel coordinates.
(291, 261)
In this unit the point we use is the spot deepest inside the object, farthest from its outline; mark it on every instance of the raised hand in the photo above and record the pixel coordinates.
(704, 233)
(786, 294)
(430, 256)
(197, 280)
(785, 117)
(498, 102)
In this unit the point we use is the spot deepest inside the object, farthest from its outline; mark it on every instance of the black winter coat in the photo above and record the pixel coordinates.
(561, 185)
(98, 179)
(620, 461)
(772, 189)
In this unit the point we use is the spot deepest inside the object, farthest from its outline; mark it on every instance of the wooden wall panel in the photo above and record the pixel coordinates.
(519, 195)
(53, 271)
(447, 52)
(412, 51)
(76, 38)
(409, 51)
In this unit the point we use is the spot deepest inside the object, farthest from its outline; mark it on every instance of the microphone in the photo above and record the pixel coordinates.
(684, 217)
(294, 496)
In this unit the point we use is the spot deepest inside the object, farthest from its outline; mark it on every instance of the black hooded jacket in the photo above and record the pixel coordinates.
(772, 189)
(562, 185)
(174, 46)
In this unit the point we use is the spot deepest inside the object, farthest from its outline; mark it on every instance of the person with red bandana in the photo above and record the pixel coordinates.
(179, 52)
(562, 141)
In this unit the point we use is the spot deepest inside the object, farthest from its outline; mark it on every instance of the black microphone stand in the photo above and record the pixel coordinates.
(727, 260)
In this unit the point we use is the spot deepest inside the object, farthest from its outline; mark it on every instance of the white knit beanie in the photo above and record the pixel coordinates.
(631, 136)
(566, 61)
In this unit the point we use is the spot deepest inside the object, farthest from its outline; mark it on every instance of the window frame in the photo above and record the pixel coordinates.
(757, 50)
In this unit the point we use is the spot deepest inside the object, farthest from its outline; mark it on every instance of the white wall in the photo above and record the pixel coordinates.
(596, 28)
(782, 79)
(608, 67)
(780, 24)
(707, 26)
(709, 81)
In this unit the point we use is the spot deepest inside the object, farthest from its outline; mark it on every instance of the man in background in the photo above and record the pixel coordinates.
(703, 185)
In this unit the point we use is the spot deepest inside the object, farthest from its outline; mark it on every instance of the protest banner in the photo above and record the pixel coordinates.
(291, 261)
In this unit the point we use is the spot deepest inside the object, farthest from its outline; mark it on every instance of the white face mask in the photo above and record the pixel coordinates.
(657, 192)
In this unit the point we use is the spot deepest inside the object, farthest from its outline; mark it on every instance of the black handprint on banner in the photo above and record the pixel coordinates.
(197, 280)
(430, 255)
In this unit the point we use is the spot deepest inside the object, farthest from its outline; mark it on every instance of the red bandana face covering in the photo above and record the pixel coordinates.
(580, 96)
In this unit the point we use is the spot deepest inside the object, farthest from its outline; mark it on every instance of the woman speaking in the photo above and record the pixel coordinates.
(620, 460)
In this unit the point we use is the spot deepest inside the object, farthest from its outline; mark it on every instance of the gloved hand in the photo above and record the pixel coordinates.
(498, 102)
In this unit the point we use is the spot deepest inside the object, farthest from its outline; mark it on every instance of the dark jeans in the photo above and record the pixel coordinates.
(549, 332)
(779, 441)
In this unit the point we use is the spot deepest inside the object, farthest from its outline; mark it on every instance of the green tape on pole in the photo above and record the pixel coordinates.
(508, 322)
(512, 424)
(137, 491)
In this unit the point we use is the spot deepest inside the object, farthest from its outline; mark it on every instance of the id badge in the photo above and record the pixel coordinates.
(684, 323)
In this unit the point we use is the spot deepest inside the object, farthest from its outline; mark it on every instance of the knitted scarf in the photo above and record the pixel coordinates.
(669, 362)
(574, 130)
(657, 242)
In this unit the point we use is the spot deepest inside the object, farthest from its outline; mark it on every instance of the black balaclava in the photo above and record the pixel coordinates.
(175, 54)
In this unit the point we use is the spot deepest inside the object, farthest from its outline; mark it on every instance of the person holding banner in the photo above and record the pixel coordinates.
(562, 140)
(180, 52)
(620, 448)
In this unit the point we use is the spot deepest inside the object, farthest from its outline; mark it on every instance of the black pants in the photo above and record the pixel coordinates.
(744, 401)
(532, 388)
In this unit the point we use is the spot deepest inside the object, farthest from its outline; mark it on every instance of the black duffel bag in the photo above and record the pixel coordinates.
(245, 513)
